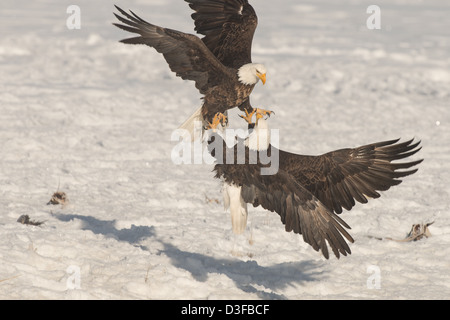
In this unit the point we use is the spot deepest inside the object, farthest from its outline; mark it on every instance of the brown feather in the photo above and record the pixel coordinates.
(228, 26)
(339, 177)
(191, 59)
(308, 191)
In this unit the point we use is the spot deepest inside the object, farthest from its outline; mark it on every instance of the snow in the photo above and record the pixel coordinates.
(84, 114)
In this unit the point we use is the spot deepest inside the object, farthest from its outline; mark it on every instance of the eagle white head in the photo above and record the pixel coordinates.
(251, 73)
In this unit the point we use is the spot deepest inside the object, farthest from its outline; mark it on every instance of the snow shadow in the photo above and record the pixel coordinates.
(248, 276)
(132, 235)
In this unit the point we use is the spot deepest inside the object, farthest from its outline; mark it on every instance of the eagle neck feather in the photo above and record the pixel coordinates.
(259, 138)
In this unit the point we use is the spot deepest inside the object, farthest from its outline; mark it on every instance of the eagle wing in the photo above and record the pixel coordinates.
(186, 54)
(228, 26)
(300, 211)
(340, 177)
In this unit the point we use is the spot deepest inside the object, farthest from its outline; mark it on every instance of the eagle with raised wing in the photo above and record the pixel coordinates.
(308, 192)
(220, 63)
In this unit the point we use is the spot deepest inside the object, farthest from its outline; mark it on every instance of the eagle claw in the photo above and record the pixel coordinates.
(248, 116)
(260, 113)
(218, 118)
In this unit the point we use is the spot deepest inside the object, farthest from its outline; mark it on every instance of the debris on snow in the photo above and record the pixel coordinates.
(58, 197)
(418, 231)
(25, 219)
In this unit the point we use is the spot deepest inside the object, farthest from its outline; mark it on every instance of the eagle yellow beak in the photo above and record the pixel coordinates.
(262, 77)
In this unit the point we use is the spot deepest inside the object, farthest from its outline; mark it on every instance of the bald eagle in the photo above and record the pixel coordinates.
(219, 64)
(308, 192)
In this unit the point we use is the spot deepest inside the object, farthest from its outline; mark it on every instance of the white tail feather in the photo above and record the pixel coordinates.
(238, 208)
(189, 124)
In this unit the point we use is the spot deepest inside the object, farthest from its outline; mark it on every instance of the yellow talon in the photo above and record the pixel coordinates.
(248, 116)
(261, 113)
(218, 118)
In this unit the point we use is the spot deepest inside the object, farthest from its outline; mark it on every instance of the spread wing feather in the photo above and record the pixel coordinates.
(186, 54)
(308, 191)
(228, 26)
(300, 211)
(340, 177)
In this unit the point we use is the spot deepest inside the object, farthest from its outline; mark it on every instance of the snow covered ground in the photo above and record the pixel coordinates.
(93, 116)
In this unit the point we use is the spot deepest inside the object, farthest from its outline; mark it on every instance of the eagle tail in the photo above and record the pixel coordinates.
(238, 208)
(195, 125)
(190, 124)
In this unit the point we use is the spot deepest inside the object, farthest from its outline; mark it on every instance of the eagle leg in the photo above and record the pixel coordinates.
(248, 116)
(218, 119)
(263, 112)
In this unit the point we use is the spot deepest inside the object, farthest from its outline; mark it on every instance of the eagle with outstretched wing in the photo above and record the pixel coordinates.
(220, 63)
(308, 192)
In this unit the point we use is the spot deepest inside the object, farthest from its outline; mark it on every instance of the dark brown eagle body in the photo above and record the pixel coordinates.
(214, 61)
(226, 96)
(309, 191)
(228, 27)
